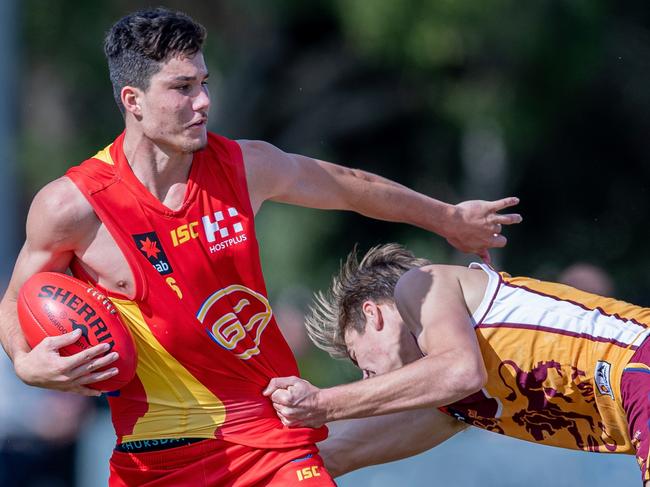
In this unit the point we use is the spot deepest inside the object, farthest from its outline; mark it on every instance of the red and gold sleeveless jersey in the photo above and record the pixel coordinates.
(206, 337)
(554, 356)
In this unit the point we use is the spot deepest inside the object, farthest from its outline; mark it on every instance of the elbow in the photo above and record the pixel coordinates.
(470, 379)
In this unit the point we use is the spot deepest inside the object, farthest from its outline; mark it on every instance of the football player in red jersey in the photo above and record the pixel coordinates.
(162, 220)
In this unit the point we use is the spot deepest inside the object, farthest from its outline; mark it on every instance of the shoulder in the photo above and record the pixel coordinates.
(60, 212)
(262, 159)
(258, 151)
(427, 283)
(62, 200)
(270, 171)
(426, 276)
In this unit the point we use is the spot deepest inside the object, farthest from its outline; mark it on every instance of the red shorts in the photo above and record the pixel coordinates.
(635, 392)
(213, 463)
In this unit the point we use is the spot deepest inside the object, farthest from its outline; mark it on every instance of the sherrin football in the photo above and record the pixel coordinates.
(51, 304)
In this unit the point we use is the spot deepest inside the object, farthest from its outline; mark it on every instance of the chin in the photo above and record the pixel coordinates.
(195, 145)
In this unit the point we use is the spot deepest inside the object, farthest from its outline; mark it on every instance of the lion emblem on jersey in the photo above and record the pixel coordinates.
(235, 318)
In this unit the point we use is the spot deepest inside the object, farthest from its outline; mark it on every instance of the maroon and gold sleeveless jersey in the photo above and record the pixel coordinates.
(554, 356)
(206, 337)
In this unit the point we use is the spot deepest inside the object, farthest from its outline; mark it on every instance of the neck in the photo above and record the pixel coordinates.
(159, 169)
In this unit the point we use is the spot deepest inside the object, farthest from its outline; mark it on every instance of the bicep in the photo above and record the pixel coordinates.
(54, 223)
(43, 250)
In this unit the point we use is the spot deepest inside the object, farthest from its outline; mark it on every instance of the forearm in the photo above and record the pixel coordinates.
(382, 199)
(428, 382)
(272, 174)
(319, 184)
(358, 443)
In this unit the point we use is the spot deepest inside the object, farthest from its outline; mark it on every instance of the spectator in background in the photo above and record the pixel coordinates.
(587, 277)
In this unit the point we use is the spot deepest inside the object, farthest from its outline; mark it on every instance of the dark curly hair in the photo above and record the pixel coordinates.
(137, 45)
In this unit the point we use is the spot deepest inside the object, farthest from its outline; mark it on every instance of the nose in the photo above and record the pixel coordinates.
(202, 100)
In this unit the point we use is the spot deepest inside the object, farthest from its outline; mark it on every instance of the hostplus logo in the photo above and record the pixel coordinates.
(149, 245)
(222, 229)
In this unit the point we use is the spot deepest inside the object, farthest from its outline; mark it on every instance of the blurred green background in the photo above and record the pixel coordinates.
(545, 100)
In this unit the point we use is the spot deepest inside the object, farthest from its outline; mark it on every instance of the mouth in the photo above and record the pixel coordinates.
(202, 122)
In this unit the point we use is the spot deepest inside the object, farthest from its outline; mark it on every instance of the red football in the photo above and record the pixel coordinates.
(51, 303)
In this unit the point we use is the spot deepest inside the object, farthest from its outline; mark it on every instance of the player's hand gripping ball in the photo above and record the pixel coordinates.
(51, 304)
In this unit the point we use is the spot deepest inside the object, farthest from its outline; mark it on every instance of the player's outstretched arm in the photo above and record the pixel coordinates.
(358, 443)
(57, 220)
(471, 226)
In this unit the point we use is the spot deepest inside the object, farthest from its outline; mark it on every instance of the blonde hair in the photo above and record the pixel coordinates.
(375, 278)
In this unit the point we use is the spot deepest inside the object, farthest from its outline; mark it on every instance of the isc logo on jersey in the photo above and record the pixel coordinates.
(235, 318)
(223, 225)
(149, 244)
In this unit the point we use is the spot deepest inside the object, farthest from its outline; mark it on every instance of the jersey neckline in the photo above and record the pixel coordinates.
(145, 196)
(494, 279)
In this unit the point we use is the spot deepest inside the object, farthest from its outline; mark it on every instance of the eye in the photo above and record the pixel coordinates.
(183, 87)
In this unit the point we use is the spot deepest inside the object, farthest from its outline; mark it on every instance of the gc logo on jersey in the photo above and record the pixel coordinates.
(235, 318)
(149, 244)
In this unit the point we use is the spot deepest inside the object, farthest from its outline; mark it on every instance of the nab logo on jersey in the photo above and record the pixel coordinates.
(149, 245)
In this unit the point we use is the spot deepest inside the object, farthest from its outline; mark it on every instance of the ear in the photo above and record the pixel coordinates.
(373, 314)
(130, 97)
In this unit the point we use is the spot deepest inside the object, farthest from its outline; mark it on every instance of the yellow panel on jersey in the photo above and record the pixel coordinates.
(554, 357)
(104, 155)
(179, 405)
